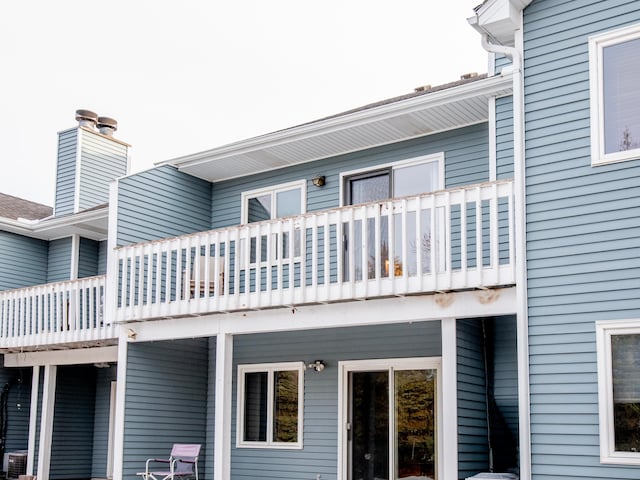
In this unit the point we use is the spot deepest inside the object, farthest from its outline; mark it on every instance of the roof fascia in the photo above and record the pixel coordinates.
(45, 229)
(355, 119)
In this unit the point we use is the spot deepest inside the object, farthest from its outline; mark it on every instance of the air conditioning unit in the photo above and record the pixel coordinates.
(16, 464)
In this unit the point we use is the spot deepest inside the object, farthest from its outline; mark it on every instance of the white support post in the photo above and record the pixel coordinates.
(46, 422)
(450, 399)
(118, 434)
(224, 374)
(33, 418)
(75, 256)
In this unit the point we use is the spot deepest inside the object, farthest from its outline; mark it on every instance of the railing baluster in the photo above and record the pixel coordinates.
(494, 258)
(464, 243)
(479, 237)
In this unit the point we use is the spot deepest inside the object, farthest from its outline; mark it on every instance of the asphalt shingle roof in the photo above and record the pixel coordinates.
(14, 208)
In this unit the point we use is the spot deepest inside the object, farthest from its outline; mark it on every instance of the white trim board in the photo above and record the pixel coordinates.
(62, 357)
(348, 314)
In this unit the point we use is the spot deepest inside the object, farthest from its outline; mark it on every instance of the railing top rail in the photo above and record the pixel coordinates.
(329, 211)
(56, 284)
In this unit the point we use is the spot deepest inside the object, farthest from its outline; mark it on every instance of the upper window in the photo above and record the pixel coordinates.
(277, 201)
(399, 179)
(614, 59)
(619, 391)
(270, 405)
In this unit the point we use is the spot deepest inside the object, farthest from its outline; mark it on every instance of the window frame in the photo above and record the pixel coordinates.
(273, 190)
(605, 329)
(270, 369)
(372, 170)
(597, 43)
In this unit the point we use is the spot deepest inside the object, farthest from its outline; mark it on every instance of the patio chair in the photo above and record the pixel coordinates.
(183, 462)
(214, 287)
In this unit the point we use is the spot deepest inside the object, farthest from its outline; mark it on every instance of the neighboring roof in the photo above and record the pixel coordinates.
(15, 208)
(423, 112)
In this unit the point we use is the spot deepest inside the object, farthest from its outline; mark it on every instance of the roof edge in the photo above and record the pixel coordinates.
(336, 123)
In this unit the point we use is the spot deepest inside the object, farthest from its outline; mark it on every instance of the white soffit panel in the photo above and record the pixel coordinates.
(404, 119)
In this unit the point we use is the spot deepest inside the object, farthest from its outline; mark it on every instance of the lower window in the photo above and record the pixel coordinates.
(270, 405)
(619, 390)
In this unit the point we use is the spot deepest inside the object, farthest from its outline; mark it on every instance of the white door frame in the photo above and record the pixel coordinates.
(387, 364)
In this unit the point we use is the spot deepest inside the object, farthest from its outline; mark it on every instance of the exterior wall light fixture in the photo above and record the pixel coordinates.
(317, 365)
(318, 181)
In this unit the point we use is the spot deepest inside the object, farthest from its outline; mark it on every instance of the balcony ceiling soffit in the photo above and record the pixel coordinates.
(419, 116)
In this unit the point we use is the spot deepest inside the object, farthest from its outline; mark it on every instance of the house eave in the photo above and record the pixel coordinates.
(413, 117)
(499, 19)
(90, 224)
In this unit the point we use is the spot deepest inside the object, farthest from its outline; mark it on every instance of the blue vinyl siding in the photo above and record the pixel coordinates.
(505, 371)
(18, 381)
(59, 268)
(88, 258)
(487, 395)
(23, 261)
(104, 377)
(66, 172)
(504, 137)
(500, 63)
(102, 257)
(166, 400)
(583, 237)
(319, 455)
(466, 154)
(473, 449)
(103, 160)
(72, 441)
(160, 203)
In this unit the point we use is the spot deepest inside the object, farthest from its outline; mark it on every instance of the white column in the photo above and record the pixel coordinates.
(449, 432)
(118, 435)
(224, 375)
(33, 418)
(46, 422)
(75, 256)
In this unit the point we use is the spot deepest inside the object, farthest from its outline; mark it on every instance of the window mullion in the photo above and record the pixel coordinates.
(270, 403)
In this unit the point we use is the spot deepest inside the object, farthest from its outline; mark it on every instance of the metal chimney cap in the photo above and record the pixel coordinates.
(107, 126)
(86, 118)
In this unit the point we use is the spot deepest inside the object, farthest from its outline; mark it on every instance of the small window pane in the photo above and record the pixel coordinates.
(415, 179)
(625, 350)
(259, 208)
(285, 406)
(370, 188)
(288, 203)
(255, 407)
(621, 93)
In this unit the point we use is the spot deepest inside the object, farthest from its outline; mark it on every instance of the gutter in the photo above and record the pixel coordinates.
(524, 409)
(39, 228)
(313, 129)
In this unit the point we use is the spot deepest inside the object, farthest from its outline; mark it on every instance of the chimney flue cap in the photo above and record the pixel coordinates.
(107, 126)
(86, 118)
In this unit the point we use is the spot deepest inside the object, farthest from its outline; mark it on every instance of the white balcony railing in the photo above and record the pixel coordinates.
(448, 240)
(68, 312)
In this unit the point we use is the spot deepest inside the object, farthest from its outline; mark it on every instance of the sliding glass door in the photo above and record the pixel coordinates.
(391, 427)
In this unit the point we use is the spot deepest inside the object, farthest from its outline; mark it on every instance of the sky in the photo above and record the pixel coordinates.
(182, 77)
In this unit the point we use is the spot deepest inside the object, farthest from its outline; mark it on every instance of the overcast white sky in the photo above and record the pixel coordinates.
(185, 76)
